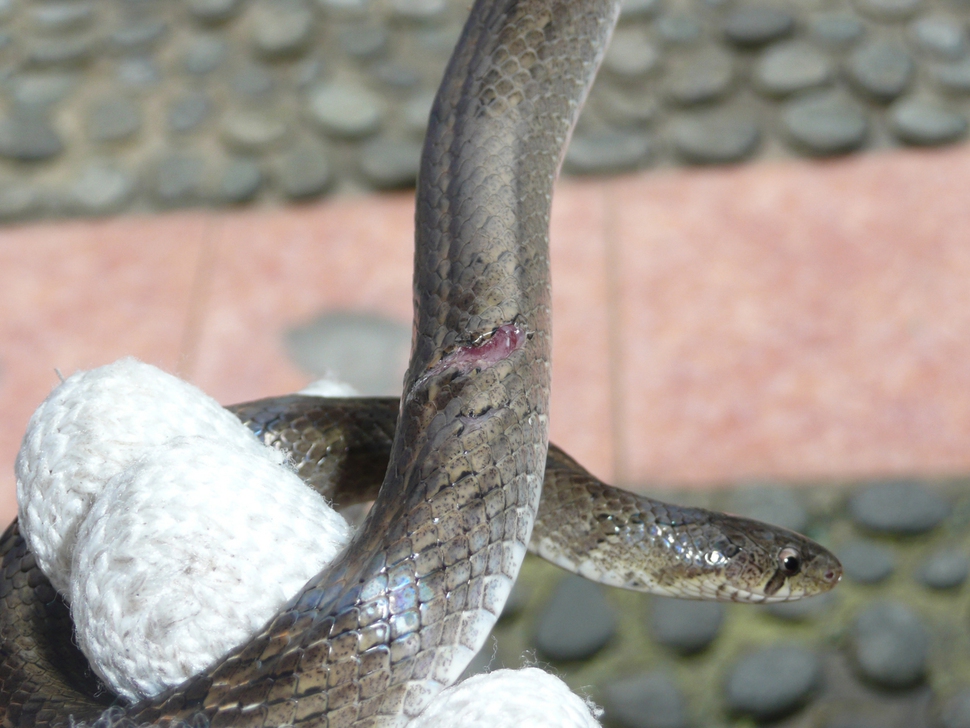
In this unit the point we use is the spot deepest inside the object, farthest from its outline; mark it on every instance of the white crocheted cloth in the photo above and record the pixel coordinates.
(175, 535)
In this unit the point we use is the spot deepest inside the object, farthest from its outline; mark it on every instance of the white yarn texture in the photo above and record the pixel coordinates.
(171, 549)
(175, 535)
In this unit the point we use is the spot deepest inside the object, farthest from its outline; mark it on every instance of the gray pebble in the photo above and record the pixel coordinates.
(417, 110)
(367, 351)
(188, 111)
(345, 8)
(113, 118)
(837, 29)
(177, 179)
(826, 123)
(882, 68)
(648, 700)
(253, 82)
(391, 163)
(802, 610)
(756, 25)
(956, 711)
(60, 51)
(41, 89)
(363, 41)
(685, 626)
(61, 16)
(889, 9)
(630, 53)
(139, 72)
(787, 68)
(396, 75)
(303, 171)
(18, 201)
(253, 130)
(418, 10)
(240, 181)
(948, 568)
(866, 562)
(898, 506)
(307, 71)
(773, 681)
(625, 109)
(204, 55)
(605, 152)
(139, 35)
(282, 27)
(101, 188)
(213, 11)
(678, 28)
(26, 136)
(953, 77)
(715, 138)
(768, 502)
(940, 37)
(639, 9)
(703, 77)
(344, 111)
(926, 122)
(890, 645)
(576, 622)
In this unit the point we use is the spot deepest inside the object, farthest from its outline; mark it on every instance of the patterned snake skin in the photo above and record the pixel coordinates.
(375, 636)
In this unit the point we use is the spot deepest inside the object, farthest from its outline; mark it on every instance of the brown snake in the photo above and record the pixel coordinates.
(376, 635)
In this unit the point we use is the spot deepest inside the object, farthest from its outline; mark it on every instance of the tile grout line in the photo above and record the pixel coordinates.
(199, 295)
(614, 349)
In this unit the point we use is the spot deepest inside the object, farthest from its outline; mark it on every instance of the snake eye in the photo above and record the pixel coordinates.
(789, 561)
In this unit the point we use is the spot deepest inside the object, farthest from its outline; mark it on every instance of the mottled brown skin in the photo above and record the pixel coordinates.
(371, 639)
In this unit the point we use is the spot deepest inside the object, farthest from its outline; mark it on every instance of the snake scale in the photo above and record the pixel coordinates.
(374, 637)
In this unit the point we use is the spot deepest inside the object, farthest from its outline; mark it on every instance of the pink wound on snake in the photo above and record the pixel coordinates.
(505, 340)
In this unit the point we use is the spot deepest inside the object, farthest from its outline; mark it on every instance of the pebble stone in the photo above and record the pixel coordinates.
(768, 502)
(139, 72)
(417, 111)
(253, 130)
(364, 41)
(685, 626)
(253, 82)
(882, 68)
(772, 682)
(282, 27)
(639, 9)
(867, 562)
(956, 711)
(240, 180)
(939, 36)
(890, 645)
(178, 178)
(204, 54)
(826, 123)
(630, 53)
(787, 68)
(716, 138)
(138, 35)
(898, 506)
(213, 11)
(391, 163)
(28, 137)
(576, 622)
(802, 610)
(926, 122)
(304, 171)
(837, 29)
(188, 111)
(953, 77)
(62, 16)
(42, 89)
(344, 111)
(101, 188)
(113, 118)
(947, 568)
(18, 201)
(418, 10)
(648, 700)
(606, 152)
(889, 9)
(703, 77)
(756, 25)
(60, 51)
(678, 28)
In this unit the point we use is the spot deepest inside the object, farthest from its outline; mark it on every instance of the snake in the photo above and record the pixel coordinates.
(460, 470)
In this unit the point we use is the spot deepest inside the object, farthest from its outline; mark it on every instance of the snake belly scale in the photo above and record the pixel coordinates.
(373, 638)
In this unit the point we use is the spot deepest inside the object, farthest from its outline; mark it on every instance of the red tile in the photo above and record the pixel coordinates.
(796, 319)
(82, 294)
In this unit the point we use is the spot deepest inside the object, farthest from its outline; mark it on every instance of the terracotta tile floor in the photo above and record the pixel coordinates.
(788, 320)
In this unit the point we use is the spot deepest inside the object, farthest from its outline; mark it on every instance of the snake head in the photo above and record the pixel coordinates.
(763, 563)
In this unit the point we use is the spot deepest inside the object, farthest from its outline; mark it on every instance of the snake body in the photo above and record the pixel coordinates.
(375, 636)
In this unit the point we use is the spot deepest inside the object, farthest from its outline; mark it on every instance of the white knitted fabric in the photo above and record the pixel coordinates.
(171, 550)
(509, 699)
(175, 535)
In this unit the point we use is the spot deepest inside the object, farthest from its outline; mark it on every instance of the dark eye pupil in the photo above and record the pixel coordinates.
(791, 564)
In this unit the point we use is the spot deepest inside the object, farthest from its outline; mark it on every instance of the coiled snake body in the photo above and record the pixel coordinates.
(373, 638)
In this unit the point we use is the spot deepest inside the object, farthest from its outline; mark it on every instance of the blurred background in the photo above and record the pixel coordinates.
(761, 248)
